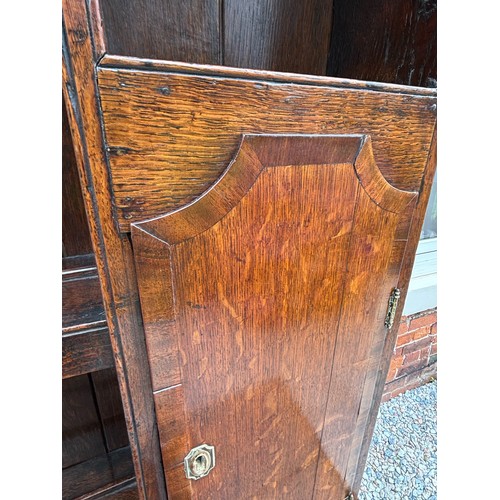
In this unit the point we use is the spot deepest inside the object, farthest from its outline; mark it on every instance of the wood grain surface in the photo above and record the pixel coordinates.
(385, 41)
(277, 35)
(408, 258)
(126, 492)
(92, 478)
(183, 30)
(82, 306)
(279, 272)
(75, 230)
(273, 35)
(81, 429)
(174, 127)
(77, 262)
(169, 136)
(382, 41)
(127, 62)
(86, 351)
(113, 253)
(109, 404)
(86, 346)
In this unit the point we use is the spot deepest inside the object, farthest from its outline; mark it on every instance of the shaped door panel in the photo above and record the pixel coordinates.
(263, 304)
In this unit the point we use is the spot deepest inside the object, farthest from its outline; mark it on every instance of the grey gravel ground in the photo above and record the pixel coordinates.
(402, 460)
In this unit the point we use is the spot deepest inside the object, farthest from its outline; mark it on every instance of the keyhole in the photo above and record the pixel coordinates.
(199, 461)
(200, 464)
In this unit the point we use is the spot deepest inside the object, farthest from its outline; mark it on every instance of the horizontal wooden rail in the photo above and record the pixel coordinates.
(86, 351)
(86, 345)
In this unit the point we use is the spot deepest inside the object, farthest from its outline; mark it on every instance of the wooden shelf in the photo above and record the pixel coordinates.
(86, 351)
(107, 476)
(85, 342)
(82, 301)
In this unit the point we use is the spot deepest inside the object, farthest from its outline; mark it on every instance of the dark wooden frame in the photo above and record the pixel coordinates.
(84, 47)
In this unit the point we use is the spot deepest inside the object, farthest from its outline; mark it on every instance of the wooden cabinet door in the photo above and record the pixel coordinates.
(264, 304)
(249, 228)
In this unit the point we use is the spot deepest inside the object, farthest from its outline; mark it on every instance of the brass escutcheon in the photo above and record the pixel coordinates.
(199, 461)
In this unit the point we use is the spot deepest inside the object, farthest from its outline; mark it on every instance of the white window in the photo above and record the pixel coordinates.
(422, 291)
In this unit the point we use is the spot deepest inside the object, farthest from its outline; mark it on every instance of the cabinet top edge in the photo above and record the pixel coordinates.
(134, 63)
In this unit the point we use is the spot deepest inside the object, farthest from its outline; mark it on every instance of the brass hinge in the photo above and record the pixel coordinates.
(391, 310)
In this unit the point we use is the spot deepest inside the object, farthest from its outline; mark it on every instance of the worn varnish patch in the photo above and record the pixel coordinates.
(166, 148)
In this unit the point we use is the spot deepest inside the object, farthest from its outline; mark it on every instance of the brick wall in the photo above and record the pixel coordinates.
(414, 361)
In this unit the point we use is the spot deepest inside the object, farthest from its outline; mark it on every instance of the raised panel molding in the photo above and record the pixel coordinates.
(257, 299)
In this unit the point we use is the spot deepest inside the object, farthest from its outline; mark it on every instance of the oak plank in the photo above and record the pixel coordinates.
(361, 328)
(281, 35)
(152, 260)
(81, 428)
(75, 229)
(147, 64)
(178, 30)
(107, 395)
(82, 306)
(86, 351)
(385, 41)
(164, 155)
(171, 412)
